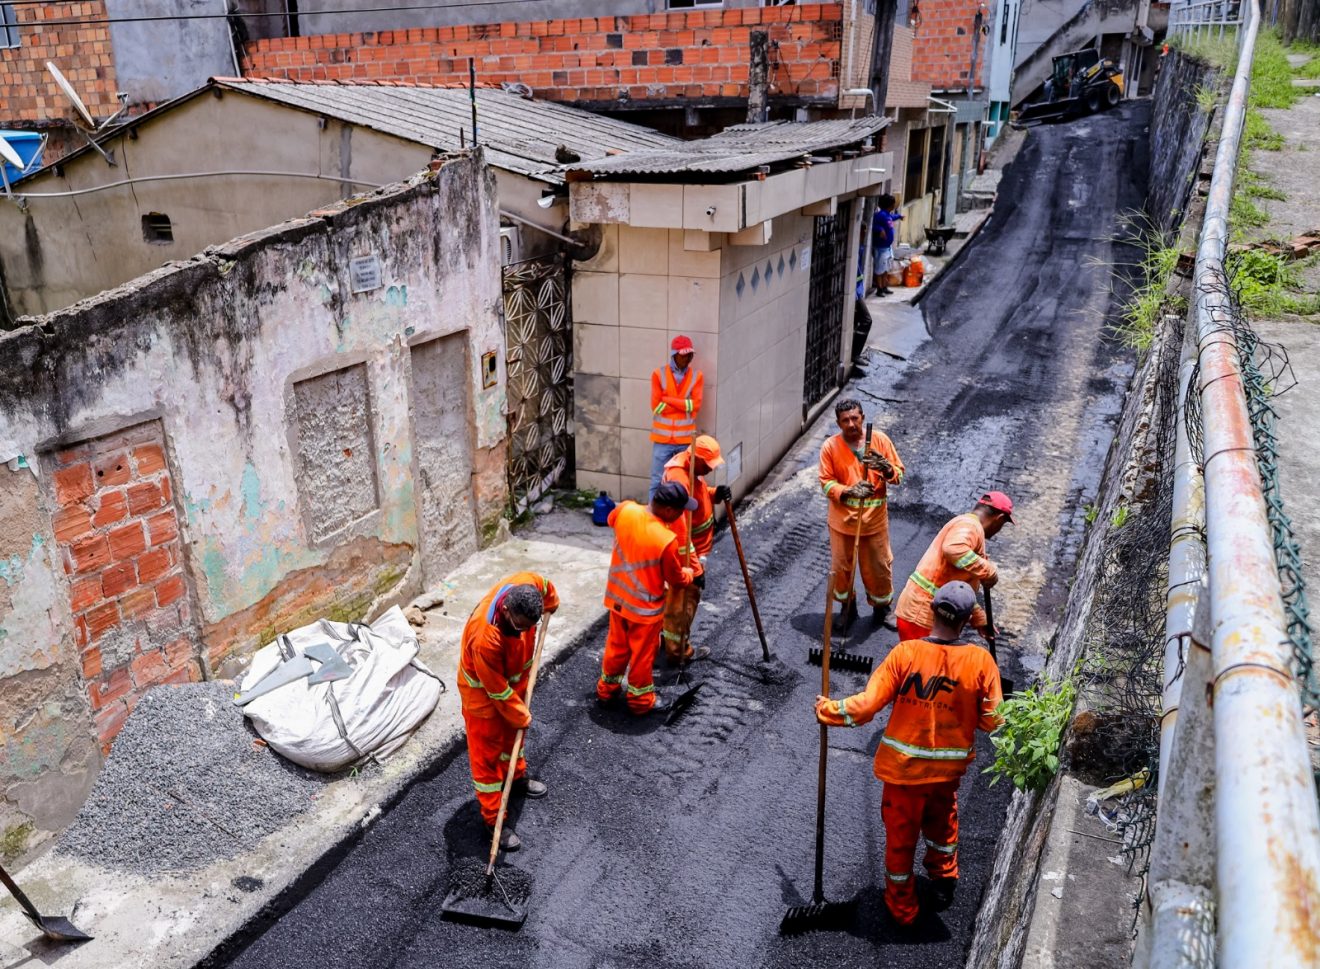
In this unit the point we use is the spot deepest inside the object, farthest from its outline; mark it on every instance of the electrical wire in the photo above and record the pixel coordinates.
(282, 14)
(17, 195)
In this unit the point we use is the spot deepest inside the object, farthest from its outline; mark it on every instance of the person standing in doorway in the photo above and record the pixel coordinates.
(884, 232)
(676, 390)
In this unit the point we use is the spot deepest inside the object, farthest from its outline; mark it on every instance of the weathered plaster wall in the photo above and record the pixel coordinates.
(252, 398)
(1177, 136)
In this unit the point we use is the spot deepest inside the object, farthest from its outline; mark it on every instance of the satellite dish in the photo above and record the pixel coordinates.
(70, 93)
(8, 154)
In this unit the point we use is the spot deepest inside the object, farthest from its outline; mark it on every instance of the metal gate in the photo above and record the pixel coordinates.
(539, 347)
(826, 303)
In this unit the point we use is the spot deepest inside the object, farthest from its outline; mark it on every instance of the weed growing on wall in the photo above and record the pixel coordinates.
(1151, 300)
(1027, 742)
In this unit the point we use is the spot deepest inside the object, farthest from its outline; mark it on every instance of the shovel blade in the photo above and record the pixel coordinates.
(681, 704)
(478, 898)
(58, 929)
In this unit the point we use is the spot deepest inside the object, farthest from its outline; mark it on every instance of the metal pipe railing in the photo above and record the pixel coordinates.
(1266, 818)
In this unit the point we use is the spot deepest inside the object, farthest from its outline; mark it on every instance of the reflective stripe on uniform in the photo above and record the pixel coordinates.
(471, 681)
(611, 680)
(894, 876)
(942, 849)
(640, 690)
(504, 694)
(489, 788)
(879, 600)
(924, 583)
(841, 711)
(842, 596)
(708, 524)
(966, 560)
(865, 502)
(926, 753)
(672, 637)
(653, 611)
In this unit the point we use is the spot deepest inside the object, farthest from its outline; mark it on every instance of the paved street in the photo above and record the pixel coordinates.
(679, 848)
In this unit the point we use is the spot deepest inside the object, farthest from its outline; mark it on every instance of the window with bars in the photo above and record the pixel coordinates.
(8, 26)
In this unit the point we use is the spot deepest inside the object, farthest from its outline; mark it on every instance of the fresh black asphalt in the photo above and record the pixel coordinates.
(681, 848)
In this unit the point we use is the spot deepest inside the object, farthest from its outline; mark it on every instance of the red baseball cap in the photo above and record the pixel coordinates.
(998, 501)
(681, 344)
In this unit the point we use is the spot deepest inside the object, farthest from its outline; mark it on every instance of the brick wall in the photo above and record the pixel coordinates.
(118, 536)
(82, 53)
(697, 54)
(942, 45)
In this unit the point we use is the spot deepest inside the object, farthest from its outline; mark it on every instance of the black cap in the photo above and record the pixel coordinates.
(954, 601)
(671, 494)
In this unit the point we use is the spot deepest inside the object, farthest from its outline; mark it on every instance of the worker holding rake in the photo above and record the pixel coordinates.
(855, 475)
(942, 690)
(499, 641)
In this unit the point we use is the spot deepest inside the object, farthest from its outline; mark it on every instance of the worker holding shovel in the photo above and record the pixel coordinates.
(855, 475)
(690, 468)
(499, 641)
(942, 690)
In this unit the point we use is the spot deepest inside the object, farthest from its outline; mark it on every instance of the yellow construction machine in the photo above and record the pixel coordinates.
(1081, 82)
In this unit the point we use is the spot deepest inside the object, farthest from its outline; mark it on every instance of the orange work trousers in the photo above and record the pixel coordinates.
(490, 745)
(680, 609)
(910, 811)
(875, 560)
(630, 648)
(910, 630)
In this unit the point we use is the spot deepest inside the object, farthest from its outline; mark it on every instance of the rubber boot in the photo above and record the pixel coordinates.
(846, 617)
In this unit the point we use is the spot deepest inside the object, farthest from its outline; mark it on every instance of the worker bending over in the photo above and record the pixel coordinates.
(645, 560)
(855, 476)
(956, 554)
(695, 532)
(942, 689)
(499, 641)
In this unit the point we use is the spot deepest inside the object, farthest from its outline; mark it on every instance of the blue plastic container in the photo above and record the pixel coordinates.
(28, 145)
(600, 511)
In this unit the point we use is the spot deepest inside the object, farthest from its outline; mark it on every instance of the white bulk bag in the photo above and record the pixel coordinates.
(371, 713)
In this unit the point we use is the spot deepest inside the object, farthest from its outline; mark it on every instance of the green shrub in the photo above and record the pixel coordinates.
(1269, 285)
(1027, 742)
(1149, 301)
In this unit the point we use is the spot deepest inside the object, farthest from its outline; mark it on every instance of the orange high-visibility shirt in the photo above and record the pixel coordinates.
(941, 694)
(674, 406)
(841, 468)
(645, 558)
(957, 553)
(703, 518)
(492, 667)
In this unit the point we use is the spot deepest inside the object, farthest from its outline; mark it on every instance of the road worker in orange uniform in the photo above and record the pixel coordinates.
(645, 560)
(682, 601)
(856, 481)
(942, 689)
(499, 642)
(957, 553)
(676, 393)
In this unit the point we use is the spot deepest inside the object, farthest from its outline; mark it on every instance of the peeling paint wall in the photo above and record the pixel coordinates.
(254, 399)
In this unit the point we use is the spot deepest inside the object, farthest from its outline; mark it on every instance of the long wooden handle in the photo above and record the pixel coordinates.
(517, 748)
(990, 626)
(24, 902)
(857, 533)
(747, 579)
(818, 895)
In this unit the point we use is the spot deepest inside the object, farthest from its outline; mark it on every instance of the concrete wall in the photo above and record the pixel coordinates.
(231, 447)
(1177, 136)
(56, 251)
(159, 60)
(745, 308)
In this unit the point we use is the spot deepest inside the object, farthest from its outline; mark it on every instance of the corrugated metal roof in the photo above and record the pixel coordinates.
(741, 148)
(519, 134)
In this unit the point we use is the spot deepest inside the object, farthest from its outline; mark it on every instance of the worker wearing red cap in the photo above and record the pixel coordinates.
(676, 390)
(956, 554)
(645, 560)
(695, 531)
(942, 690)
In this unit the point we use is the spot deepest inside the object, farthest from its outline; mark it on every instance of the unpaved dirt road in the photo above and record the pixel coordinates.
(680, 848)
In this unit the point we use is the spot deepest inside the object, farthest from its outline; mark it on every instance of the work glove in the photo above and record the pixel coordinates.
(990, 581)
(821, 701)
(861, 490)
(722, 494)
(876, 461)
(699, 581)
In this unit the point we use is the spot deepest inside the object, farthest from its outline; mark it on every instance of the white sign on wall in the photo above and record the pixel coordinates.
(364, 274)
(806, 259)
(733, 463)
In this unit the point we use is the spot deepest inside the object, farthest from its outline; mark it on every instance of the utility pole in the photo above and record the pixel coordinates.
(758, 78)
(886, 12)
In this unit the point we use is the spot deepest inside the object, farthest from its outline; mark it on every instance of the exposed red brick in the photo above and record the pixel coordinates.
(113, 507)
(189, 673)
(118, 579)
(152, 565)
(70, 455)
(112, 470)
(149, 458)
(127, 541)
(71, 523)
(101, 618)
(83, 593)
(166, 489)
(110, 688)
(169, 591)
(179, 651)
(137, 603)
(90, 554)
(163, 527)
(91, 664)
(149, 668)
(144, 497)
(109, 721)
(73, 484)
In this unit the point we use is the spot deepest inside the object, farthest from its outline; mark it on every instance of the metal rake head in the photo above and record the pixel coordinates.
(842, 661)
(682, 704)
(819, 916)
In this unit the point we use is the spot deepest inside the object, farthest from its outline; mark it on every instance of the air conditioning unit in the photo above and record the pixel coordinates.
(510, 245)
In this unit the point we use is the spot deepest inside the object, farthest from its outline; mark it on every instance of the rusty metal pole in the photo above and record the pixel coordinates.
(1266, 817)
(758, 77)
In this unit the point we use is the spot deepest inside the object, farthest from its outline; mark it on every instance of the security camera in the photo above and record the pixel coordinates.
(710, 210)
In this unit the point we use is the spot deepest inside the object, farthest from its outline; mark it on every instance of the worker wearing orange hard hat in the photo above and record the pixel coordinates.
(696, 535)
(676, 393)
(957, 553)
(645, 560)
(942, 690)
(499, 641)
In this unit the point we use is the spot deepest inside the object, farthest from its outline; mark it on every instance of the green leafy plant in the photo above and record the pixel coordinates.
(1151, 299)
(1267, 284)
(579, 499)
(1027, 742)
(1092, 513)
(1206, 98)
(1121, 515)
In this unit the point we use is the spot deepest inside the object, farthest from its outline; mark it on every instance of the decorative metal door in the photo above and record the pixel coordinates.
(539, 347)
(826, 303)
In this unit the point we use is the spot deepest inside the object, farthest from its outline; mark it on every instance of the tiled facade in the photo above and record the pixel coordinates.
(82, 53)
(651, 58)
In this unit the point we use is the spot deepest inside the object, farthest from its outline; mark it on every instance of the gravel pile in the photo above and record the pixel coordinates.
(185, 785)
